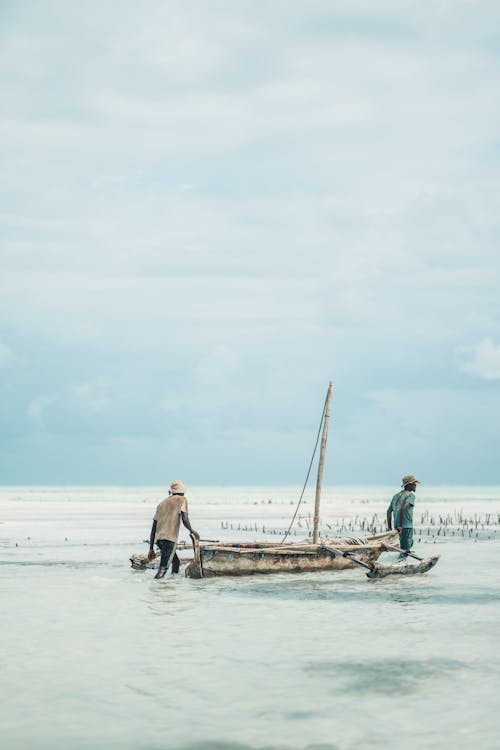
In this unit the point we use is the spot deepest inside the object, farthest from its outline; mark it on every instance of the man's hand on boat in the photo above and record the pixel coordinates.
(194, 534)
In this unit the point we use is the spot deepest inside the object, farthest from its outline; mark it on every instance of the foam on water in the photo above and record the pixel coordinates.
(97, 655)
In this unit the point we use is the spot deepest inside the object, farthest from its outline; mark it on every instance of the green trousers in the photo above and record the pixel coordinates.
(406, 539)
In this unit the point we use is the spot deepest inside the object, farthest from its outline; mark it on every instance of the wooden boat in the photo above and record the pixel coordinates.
(254, 558)
(234, 559)
(226, 558)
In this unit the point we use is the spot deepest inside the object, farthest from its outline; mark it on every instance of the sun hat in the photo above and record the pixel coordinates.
(177, 487)
(409, 479)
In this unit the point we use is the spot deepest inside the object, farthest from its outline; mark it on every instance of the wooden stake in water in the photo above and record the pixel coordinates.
(319, 481)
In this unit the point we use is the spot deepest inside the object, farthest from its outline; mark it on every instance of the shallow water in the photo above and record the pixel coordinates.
(95, 655)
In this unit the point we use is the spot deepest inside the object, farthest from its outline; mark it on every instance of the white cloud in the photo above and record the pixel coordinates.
(238, 200)
(37, 408)
(85, 400)
(90, 397)
(483, 360)
(6, 355)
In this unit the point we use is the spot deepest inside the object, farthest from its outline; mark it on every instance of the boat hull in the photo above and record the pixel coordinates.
(381, 570)
(261, 560)
(259, 563)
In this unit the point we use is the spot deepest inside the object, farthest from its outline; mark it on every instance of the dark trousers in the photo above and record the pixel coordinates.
(406, 539)
(168, 554)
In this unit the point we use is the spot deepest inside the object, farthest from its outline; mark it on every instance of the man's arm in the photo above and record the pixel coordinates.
(187, 524)
(151, 553)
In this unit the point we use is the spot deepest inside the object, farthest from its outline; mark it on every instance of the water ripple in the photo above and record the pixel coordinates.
(390, 676)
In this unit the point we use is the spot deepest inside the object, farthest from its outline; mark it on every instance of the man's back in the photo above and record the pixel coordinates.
(168, 517)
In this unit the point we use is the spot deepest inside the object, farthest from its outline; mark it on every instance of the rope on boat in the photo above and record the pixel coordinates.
(308, 473)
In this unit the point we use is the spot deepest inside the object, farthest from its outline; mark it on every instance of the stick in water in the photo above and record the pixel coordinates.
(403, 551)
(348, 556)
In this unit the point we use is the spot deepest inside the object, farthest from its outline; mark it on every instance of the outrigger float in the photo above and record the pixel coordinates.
(211, 559)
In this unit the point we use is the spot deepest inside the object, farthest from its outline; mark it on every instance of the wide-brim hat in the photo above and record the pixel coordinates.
(409, 479)
(177, 487)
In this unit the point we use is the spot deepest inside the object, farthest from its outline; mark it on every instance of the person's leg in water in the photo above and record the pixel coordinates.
(176, 563)
(167, 549)
(405, 542)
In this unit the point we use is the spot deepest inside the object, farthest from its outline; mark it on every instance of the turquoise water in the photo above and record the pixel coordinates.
(95, 655)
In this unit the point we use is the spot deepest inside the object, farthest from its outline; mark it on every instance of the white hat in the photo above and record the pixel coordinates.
(177, 487)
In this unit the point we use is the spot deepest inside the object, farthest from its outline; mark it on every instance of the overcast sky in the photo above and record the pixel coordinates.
(210, 208)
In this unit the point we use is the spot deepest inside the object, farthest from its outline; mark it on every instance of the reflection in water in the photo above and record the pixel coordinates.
(161, 598)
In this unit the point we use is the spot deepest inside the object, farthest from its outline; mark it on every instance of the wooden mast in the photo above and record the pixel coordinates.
(319, 481)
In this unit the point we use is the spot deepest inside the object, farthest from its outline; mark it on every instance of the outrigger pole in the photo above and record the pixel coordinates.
(319, 480)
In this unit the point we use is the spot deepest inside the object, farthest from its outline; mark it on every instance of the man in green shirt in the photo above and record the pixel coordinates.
(402, 508)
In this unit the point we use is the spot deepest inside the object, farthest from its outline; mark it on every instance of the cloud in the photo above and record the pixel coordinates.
(209, 210)
(483, 360)
(81, 402)
(37, 408)
(90, 396)
(7, 356)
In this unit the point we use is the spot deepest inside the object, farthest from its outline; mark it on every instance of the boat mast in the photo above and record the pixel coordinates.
(319, 480)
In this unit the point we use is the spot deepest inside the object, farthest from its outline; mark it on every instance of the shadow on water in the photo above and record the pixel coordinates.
(389, 676)
(444, 598)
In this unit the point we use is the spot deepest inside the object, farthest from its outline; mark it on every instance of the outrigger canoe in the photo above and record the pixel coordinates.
(212, 559)
(251, 558)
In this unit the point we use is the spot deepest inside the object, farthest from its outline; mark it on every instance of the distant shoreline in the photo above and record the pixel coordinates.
(275, 486)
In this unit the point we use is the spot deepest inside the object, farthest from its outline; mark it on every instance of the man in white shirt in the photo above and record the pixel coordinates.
(166, 525)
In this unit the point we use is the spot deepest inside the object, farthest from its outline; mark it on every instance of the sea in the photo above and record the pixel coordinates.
(97, 656)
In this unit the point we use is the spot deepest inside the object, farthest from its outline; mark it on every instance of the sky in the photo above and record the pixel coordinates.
(209, 210)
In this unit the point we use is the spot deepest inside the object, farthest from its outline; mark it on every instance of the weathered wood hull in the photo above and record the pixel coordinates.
(381, 570)
(215, 563)
(236, 560)
(262, 558)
